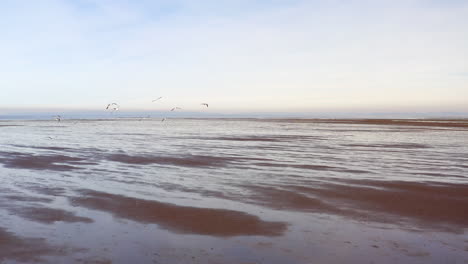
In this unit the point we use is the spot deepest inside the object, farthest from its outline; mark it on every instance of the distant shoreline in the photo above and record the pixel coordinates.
(360, 121)
(420, 122)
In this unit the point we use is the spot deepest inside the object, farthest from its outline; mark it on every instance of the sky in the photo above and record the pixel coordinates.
(236, 55)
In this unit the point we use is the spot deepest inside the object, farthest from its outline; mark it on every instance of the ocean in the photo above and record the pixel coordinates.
(270, 191)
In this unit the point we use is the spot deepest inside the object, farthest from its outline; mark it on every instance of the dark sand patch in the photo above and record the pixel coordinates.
(43, 147)
(438, 205)
(287, 200)
(23, 249)
(47, 215)
(26, 198)
(201, 191)
(89, 152)
(46, 190)
(277, 138)
(391, 146)
(10, 196)
(437, 175)
(94, 260)
(19, 160)
(310, 167)
(29, 207)
(247, 139)
(183, 160)
(181, 219)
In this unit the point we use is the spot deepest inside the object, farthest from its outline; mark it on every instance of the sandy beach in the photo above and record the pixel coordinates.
(234, 191)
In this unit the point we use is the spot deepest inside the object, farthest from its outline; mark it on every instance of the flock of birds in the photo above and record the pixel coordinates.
(115, 107)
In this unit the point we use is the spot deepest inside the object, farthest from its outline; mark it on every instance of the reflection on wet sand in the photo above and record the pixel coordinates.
(20, 249)
(23, 249)
(48, 215)
(32, 208)
(435, 206)
(276, 138)
(181, 219)
(40, 162)
(181, 160)
(396, 146)
(45, 189)
(310, 167)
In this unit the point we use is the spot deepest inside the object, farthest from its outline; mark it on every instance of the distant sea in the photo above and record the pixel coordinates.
(44, 115)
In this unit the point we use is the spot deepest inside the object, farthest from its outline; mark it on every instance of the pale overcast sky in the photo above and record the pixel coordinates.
(237, 55)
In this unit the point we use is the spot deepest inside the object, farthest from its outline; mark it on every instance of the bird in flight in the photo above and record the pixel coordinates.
(205, 104)
(113, 106)
(58, 118)
(164, 119)
(157, 99)
(175, 108)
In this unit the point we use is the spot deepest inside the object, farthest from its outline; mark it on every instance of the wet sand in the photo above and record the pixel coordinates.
(325, 193)
(426, 205)
(180, 219)
(22, 249)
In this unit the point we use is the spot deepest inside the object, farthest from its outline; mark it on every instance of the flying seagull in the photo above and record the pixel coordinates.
(205, 104)
(113, 106)
(58, 118)
(156, 99)
(175, 108)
